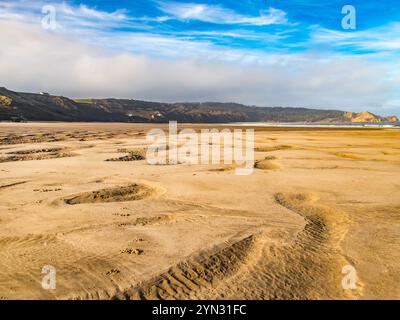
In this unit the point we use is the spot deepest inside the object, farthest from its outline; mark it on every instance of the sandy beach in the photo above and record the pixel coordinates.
(82, 198)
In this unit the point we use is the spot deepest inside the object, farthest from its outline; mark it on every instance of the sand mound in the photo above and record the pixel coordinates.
(295, 201)
(39, 156)
(36, 154)
(133, 155)
(195, 277)
(267, 165)
(29, 138)
(156, 219)
(228, 167)
(33, 151)
(316, 258)
(116, 194)
(132, 251)
(143, 221)
(129, 157)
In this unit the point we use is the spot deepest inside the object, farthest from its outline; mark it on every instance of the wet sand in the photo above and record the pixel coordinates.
(82, 198)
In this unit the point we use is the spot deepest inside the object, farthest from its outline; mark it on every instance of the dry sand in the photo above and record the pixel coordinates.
(319, 199)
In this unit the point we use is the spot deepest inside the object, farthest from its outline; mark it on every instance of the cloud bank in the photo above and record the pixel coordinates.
(86, 56)
(34, 60)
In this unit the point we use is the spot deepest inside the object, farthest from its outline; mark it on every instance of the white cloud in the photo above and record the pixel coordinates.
(379, 39)
(86, 12)
(68, 16)
(220, 15)
(35, 60)
(95, 27)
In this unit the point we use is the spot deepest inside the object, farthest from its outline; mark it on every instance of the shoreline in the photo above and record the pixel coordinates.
(256, 125)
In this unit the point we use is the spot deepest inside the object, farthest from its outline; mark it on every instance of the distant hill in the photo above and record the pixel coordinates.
(46, 107)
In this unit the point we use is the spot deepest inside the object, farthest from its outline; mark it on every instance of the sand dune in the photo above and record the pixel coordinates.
(267, 165)
(115, 194)
(195, 277)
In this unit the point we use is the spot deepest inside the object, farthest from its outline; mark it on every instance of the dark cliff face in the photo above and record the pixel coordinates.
(45, 107)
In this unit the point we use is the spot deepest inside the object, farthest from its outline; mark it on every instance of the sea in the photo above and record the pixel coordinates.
(293, 124)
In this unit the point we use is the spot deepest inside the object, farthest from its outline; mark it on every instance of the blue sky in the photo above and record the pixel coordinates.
(263, 52)
(253, 25)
